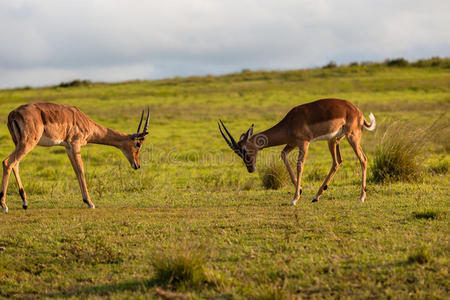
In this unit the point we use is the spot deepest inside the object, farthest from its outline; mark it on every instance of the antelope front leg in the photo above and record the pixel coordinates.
(74, 154)
(303, 149)
(284, 155)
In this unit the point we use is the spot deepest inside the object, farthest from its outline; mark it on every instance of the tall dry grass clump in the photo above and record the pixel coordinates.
(273, 174)
(401, 151)
(183, 268)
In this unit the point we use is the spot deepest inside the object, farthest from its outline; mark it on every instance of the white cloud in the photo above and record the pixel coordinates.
(37, 76)
(47, 41)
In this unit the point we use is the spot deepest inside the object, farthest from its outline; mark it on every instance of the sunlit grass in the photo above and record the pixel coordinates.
(246, 241)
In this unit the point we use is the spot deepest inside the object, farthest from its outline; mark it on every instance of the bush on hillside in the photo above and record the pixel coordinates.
(274, 174)
(182, 268)
(331, 65)
(397, 154)
(396, 62)
(401, 151)
(75, 83)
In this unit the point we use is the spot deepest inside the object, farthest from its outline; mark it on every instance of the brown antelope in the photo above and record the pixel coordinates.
(50, 124)
(325, 119)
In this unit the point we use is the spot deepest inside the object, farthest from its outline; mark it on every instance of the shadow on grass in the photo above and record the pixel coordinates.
(103, 289)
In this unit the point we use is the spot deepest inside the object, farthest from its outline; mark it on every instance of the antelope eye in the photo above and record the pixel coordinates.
(138, 145)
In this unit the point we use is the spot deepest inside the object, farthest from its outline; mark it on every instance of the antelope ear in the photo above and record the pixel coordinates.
(250, 132)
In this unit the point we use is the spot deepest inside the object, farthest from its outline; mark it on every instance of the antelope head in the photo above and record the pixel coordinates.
(245, 147)
(133, 145)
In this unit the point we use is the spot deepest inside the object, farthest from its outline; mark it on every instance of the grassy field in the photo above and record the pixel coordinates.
(194, 207)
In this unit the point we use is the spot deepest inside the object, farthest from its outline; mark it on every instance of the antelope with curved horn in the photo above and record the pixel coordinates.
(50, 124)
(325, 119)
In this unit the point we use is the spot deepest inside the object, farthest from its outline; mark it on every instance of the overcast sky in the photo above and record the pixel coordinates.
(45, 42)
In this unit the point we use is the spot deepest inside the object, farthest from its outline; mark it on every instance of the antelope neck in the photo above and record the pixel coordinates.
(273, 136)
(107, 136)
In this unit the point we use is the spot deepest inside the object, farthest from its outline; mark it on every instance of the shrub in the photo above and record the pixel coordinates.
(397, 62)
(331, 65)
(420, 256)
(75, 83)
(395, 162)
(274, 174)
(183, 268)
(429, 214)
(401, 150)
(397, 154)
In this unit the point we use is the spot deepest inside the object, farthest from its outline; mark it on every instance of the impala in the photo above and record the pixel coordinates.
(50, 124)
(325, 119)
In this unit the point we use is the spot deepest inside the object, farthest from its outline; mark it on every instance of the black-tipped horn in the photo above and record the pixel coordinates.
(146, 120)
(233, 142)
(225, 138)
(140, 123)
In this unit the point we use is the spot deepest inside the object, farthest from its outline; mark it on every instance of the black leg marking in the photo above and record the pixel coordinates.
(325, 187)
(301, 191)
(365, 189)
(1, 195)
(314, 200)
(85, 201)
(22, 195)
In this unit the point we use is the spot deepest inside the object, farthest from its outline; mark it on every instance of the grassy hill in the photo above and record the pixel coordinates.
(193, 209)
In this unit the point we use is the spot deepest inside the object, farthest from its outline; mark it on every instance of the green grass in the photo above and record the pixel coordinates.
(193, 193)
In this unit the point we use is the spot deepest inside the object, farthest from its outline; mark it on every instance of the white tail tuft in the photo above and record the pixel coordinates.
(372, 125)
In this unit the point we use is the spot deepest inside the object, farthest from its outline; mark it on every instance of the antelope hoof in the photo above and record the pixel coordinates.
(362, 199)
(89, 203)
(5, 209)
(315, 200)
(293, 202)
(24, 206)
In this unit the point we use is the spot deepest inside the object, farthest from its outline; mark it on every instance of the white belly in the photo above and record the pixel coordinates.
(328, 136)
(48, 142)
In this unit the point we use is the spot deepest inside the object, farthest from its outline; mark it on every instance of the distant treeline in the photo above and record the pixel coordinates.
(247, 74)
(437, 62)
(398, 62)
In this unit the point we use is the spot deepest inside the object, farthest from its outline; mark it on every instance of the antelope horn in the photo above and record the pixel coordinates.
(146, 120)
(232, 144)
(226, 140)
(142, 116)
